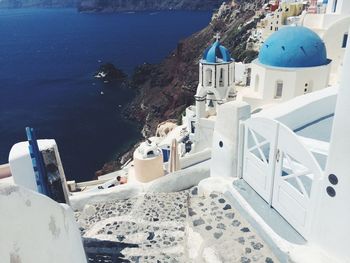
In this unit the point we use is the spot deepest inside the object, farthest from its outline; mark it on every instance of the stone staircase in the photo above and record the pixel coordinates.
(221, 234)
(148, 228)
(170, 227)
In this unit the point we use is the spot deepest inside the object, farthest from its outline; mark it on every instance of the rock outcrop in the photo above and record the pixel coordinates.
(109, 73)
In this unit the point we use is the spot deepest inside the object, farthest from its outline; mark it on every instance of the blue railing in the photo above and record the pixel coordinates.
(37, 161)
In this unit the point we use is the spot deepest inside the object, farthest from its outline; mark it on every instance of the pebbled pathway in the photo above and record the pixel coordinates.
(152, 224)
(225, 235)
(170, 227)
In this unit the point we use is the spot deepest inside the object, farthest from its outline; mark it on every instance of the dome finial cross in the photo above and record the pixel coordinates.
(217, 36)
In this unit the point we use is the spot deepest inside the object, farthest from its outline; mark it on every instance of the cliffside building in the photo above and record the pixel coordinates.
(216, 86)
(291, 62)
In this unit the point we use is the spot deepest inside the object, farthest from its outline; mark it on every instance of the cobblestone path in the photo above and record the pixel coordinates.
(170, 227)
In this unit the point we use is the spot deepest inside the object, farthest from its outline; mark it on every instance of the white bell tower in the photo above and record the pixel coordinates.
(216, 79)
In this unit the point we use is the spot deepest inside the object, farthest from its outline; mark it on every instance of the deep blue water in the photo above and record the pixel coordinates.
(47, 61)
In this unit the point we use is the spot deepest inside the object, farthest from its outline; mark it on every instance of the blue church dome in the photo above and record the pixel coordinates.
(217, 53)
(293, 47)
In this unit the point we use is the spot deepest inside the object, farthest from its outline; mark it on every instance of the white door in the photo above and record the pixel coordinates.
(297, 174)
(259, 155)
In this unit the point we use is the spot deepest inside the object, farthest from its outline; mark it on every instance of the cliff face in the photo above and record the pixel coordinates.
(165, 90)
(37, 3)
(140, 5)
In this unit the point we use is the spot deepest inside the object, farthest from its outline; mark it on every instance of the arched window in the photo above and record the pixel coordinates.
(279, 89)
(257, 80)
(222, 78)
(209, 77)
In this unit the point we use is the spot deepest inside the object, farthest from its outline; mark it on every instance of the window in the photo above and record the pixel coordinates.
(249, 74)
(208, 77)
(271, 28)
(345, 40)
(335, 6)
(256, 87)
(279, 89)
(221, 78)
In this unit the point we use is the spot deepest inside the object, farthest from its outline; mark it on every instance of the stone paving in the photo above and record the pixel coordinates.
(155, 223)
(225, 235)
(170, 227)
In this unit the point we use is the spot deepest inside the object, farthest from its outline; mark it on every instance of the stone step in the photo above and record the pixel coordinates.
(221, 234)
(152, 226)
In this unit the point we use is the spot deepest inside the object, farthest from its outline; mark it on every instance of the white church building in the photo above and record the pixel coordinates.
(292, 61)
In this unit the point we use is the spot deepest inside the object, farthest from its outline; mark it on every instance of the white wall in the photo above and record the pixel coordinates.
(294, 80)
(240, 72)
(35, 229)
(342, 7)
(21, 163)
(333, 39)
(303, 109)
(225, 149)
(205, 134)
(331, 230)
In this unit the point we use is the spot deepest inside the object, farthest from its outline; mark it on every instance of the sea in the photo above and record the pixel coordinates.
(48, 58)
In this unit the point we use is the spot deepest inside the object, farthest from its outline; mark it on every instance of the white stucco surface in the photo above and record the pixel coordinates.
(264, 81)
(332, 231)
(21, 164)
(303, 109)
(178, 181)
(36, 229)
(225, 148)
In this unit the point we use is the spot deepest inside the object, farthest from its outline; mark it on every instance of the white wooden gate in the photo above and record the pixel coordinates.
(281, 170)
(259, 155)
(297, 175)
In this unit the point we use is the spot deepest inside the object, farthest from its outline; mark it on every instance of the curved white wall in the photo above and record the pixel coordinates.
(35, 229)
(303, 109)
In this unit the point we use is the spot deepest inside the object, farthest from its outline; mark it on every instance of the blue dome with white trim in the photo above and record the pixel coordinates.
(217, 53)
(293, 47)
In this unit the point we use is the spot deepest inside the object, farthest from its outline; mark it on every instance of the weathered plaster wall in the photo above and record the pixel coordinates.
(36, 229)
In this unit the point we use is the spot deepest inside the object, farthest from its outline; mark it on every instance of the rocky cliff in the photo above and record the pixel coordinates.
(37, 3)
(166, 89)
(140, 5)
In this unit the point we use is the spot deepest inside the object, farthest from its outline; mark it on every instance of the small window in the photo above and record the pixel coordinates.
(256, 87)
(279, 89)
(345, 40)
(335, 6)
(221, 78)
(271, 28)
(276, 28)
(208, 77)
